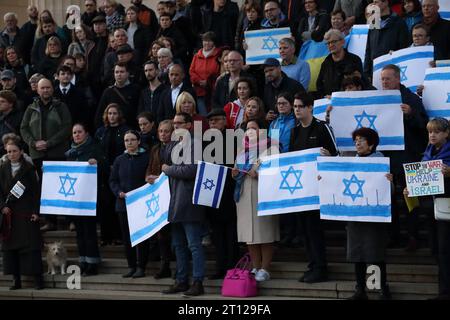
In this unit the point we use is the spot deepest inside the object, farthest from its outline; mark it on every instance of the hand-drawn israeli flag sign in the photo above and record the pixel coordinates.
(209, 184)
(436, 92)
(263, 44)
(148, 209)
(373, 109)
(444, 9)
(320, 108)
(412, 62)
(354, 189)
(69, 188)
(288, 183)
(442, 63)
(357, 40)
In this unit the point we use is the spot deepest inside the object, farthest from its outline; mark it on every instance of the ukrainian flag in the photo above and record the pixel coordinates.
(314, 53)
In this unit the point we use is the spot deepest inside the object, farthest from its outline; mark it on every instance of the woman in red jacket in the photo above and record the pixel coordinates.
(204, 70)
(245, 88)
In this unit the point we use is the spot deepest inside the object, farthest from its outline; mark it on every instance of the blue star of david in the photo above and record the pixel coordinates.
(209, 184)
(71, 181)
(348, 183)
(152, 205)
(448, 97)
(359, 118)
(403, 76)
(285, 184)
(270, 44)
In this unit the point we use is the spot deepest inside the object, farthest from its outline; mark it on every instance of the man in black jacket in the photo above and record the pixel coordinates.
(11, 35)
(10, 116)
(166, 109)
(90, 12)
(439, 29)
(28, 31)
(151, 95)
(170, 30)
(312, 133)
(96, 59)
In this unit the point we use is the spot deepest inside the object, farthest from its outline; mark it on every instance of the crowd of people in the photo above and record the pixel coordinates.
(114, 89)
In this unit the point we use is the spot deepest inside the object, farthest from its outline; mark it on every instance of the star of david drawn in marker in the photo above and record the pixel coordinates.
(270, 44)
(152, 205)
(64, 181)
(349, 182)
(448, 97)
(285, 184)
(209, 184)
(359, 118)
(403, 76)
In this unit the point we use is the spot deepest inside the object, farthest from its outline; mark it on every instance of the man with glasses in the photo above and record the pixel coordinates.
(90, 12)
(439, 29)
(273, 17)
(332, 70)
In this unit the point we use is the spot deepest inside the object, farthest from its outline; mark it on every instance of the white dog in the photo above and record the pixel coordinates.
(56, 257)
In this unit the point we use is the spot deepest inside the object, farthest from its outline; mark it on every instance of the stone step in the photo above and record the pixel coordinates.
(272, 288)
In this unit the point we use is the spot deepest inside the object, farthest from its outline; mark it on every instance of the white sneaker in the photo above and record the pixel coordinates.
(262, 275)
(254, 271)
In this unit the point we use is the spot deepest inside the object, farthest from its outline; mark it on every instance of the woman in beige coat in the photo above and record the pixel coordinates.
(258, 232)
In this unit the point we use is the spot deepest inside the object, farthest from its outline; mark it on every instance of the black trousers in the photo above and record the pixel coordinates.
(224, 237)
(137, 256)
(164, 243)
(109, 221)
(314, 240)
(443, 242)
(22, 262)
(87, 241)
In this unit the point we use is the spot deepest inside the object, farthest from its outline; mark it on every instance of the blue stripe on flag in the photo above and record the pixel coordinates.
(81, 205)
(320, 109)
(199, 182)
(68, 169)
(413, 89)
(263, 57)
(364, 101)
(384, 141)
(279, 204)
(266, 33)
(140, 233)
(352, 167)
(445, 14)
(218, 187)
(359, 31)
(437, 76)
(356, 211)
(411, 56)
(438, 113)
(146, 191)
(289, 161)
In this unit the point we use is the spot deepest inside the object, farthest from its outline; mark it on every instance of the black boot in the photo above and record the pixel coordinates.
(140, 273)
(83, 266)
(91, 270)
(38, 282)
(385, 293)
(195, 290)
(17, 283)
(360, 294)
(176, 288)
(164, 270)
(130, 273)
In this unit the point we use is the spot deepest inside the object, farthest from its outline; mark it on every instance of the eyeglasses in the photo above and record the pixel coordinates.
(282, 103)
(332, 42)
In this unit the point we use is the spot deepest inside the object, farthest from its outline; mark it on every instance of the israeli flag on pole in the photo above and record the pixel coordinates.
(436, 92)
(357, 40)
(148, 209)
(69, 188)
(373, 109)
(288, 183)
(209, 184)
(263, 44)
(412, 62)
(444, 9)
(354, 189)
(320, 108)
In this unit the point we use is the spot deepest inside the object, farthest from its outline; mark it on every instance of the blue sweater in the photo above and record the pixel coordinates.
(299, 72)
(284, 123)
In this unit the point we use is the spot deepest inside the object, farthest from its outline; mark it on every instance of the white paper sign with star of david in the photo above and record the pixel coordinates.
(412, 62)
(436, 92)
(263, 44)
(373, 109)
(354, 189)
(288, 183)
(69, 188)
(148, 209)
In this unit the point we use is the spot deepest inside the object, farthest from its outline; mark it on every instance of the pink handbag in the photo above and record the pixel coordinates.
(240, 282)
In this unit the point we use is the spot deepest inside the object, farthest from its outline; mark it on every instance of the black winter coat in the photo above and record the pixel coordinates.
(440, 37)
(287, 85)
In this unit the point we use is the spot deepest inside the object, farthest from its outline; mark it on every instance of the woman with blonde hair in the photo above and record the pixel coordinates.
(186, 103)
(53, 56)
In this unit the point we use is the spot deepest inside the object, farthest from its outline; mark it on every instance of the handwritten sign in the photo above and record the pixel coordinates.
(424, 178)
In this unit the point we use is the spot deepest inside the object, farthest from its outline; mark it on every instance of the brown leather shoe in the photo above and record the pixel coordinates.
(195, 290)
(176, 288)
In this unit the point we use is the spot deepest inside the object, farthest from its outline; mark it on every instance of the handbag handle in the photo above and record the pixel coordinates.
(244, 262)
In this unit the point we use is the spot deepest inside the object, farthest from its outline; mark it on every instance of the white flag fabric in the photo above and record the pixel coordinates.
(209, 184)
(320, 108)
(444, 9)
(148, 209)
(354, 189)
(263, 44)
(69, 188)
(373, 109)
(436, 92)
(288, 183)
(412, 62)
(357, 40)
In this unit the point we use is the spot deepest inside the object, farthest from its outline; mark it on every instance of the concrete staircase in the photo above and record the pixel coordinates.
(410, 276)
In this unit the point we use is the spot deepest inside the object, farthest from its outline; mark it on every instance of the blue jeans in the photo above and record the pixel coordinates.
(187, 236)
